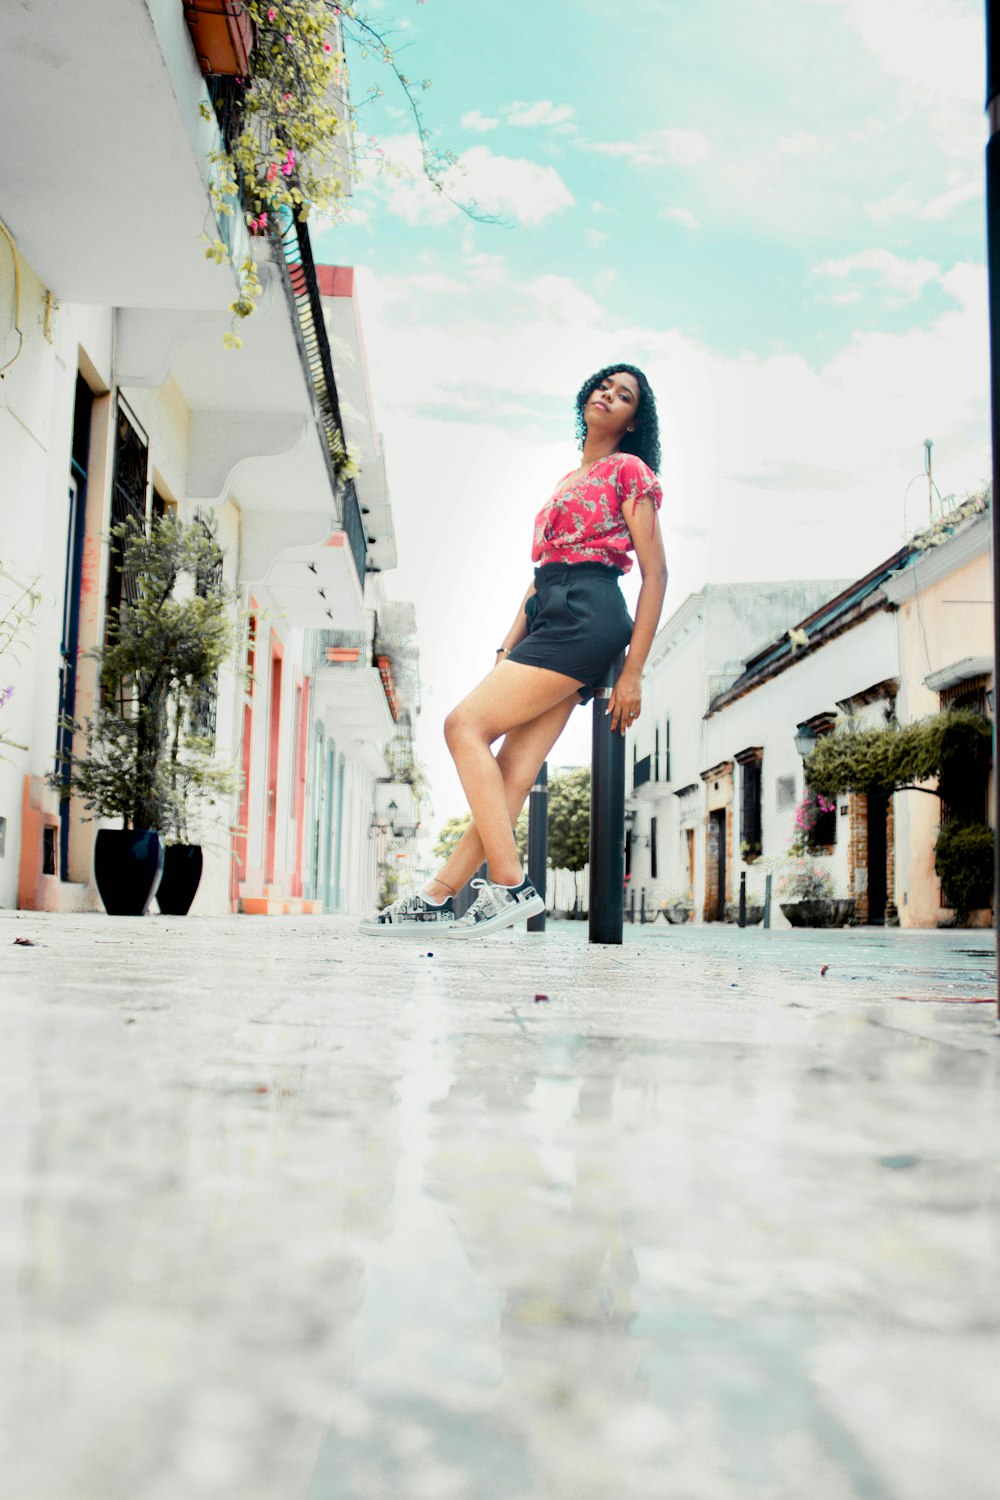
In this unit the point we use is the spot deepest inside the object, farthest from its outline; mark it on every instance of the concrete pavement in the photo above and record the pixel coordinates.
(292, 1214)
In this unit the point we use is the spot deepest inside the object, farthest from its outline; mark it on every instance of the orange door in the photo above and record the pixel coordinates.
(273, 753)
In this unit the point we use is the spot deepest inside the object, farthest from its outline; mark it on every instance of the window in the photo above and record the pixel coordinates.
(129, 497)
(750, 818)
(666, 748)
(652, 848)
(656, 753)
(823, 832)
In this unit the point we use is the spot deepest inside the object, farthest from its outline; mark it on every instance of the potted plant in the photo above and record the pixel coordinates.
(754, 914)
(806, 896)
(677, 907)
(138, 760)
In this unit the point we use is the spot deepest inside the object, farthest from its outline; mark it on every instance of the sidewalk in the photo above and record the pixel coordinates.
(293, 1214)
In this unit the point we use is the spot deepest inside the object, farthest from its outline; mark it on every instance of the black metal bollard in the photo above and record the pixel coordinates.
(538, 840)
(743, 898)
(607, 820)
(642, 907)
(767, 901)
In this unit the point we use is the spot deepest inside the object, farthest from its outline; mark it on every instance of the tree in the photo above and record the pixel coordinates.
(450, 835)
(455, 827)
(569, 821)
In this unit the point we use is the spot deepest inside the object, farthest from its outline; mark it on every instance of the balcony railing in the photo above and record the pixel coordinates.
(303, 289)
(354, 526)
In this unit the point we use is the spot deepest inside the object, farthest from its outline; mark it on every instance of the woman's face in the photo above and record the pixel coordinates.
(612, 406)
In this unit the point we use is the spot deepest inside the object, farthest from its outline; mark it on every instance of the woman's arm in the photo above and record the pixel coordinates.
(643, 523)
(518, 630)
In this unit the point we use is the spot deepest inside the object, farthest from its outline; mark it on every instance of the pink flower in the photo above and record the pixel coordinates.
(272, 171)
(289, 38)
(271, 15)
(288, 169)
(327, 47)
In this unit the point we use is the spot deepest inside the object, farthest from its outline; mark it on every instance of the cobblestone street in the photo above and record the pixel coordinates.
(291, 1214)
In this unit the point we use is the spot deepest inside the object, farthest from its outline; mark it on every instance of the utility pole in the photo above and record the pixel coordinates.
(993, 265)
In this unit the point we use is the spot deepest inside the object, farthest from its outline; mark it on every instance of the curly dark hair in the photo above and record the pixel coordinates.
(645, 440)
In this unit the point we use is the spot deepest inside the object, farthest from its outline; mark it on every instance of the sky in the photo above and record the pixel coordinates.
(776, 210)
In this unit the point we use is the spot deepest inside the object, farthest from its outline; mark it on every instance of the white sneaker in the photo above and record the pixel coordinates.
(497, 906)
(411, 916)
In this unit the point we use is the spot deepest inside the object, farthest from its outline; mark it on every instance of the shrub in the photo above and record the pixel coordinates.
(963, 859)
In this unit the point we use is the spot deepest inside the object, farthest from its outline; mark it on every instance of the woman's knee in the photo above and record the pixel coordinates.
(460, 729)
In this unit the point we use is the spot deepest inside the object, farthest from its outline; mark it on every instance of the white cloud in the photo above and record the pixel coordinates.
(510, 187)
(898, 277)
(559, 298)
(945, 203)
(595, 238)
(934, 49)
(680, 216)
(903, 203)
(653, 148)
(799, 143)
(541, 112)
(473, 120)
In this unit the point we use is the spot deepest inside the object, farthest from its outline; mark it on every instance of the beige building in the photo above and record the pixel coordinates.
(944, 623)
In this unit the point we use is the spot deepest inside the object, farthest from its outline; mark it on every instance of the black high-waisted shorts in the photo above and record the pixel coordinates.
(577, 622)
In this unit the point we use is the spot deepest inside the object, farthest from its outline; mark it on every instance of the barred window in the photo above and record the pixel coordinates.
(750, 812)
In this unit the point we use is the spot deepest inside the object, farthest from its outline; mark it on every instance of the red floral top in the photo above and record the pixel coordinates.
(583, 521)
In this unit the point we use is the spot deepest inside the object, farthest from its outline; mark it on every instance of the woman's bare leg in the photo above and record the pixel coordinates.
(511, 696)
(519, 758)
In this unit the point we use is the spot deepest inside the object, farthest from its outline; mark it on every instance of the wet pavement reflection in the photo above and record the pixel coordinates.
(286, 1214)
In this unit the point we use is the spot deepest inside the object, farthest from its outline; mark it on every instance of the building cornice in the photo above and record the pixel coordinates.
(675, 629)
(938, 562)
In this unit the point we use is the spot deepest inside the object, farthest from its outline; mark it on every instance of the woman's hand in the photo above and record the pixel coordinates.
(625, 702)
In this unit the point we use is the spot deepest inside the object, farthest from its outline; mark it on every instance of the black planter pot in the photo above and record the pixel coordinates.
(127, 867)
(178, 886)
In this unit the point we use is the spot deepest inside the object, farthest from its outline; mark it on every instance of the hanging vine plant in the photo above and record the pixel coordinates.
(294, 118)
(955, 746)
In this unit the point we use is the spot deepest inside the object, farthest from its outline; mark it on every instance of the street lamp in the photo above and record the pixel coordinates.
(805, 739)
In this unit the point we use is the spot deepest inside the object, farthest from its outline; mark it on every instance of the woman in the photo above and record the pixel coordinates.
(571, 625)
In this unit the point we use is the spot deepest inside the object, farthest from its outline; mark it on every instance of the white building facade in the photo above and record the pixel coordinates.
(697, 652)
(118, 398)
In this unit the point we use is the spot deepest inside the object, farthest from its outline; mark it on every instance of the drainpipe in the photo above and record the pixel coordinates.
(993, 264)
